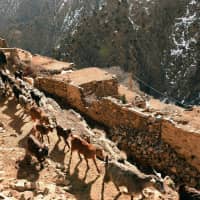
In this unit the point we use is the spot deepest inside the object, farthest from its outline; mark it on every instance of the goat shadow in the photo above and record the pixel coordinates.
(80, 189)
(11, 110)
(27, 170)
(58, 155)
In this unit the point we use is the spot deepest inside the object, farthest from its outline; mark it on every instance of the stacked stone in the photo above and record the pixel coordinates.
(150, 150)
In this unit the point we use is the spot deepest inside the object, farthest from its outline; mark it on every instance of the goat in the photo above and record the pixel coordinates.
(38, 114)
(10, 80)
(188, 193)
(3, 60)
(84, 148)
(44, 130)
(25, 102)
(4, 76)
(18, 74)
(17, 91)
(130, 177)
(36, 96)
(35, 113)
(37, 149)
(64, 133)
(29, 80)
(2, 88)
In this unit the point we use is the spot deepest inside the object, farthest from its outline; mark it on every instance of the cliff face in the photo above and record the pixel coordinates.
(157, 40)
(181, 59)
(38, 25)
(29, 24)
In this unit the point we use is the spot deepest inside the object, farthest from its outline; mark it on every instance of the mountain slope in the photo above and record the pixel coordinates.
(157, 40)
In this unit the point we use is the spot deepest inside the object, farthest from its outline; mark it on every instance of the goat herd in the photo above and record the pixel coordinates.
(32, 100)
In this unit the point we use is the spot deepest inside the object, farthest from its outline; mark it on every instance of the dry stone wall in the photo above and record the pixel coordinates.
(101, 88)
(186, 143)
(70, 93)
(147, 138)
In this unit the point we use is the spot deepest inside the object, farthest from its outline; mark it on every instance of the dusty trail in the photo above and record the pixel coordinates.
(76, 183)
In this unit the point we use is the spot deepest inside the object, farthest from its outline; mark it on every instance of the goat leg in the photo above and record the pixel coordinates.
(94, 160)
(132, 197)
(88, 167)
(70, 160)
(79, 156)
(117, 196)
(41, 166)
(116, 186)
(48, 139)
(67, 143)
(102, 189)
(41, 138)
(64, 147)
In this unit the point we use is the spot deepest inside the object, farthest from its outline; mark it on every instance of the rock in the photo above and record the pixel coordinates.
(27, 195)
(4, 197)
(1, 172)
(2, 179)
(60, 166)
(67, 188)
(23, 185)
(39, 197)
(61, 181)
(1, 188)
(2, 130)
(13, 135)
(51, 188)
(7, 193)
(20, 185)
(45, 189)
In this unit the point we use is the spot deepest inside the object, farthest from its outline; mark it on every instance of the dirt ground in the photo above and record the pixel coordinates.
(81, 184)
(49, 63)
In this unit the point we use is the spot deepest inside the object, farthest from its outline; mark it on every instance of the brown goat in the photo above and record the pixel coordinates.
(35, 113)
(84, 148)
(38, 114)
(44, 130)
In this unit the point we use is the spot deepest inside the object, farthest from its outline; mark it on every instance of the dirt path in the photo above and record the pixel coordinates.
(76, 183)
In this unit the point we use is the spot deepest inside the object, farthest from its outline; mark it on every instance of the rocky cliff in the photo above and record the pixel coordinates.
(156, 40)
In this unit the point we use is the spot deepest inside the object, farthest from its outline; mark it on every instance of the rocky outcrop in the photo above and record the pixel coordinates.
(181, 57)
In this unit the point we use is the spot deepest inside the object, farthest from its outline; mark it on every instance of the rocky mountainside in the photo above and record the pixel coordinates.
(157, 40)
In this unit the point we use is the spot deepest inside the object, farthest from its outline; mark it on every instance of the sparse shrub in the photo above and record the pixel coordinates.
(123, 99)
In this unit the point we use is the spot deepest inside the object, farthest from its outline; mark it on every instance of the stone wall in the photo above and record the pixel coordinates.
(101, 88)
(73, 95)
(147, 138)
(186, 143)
